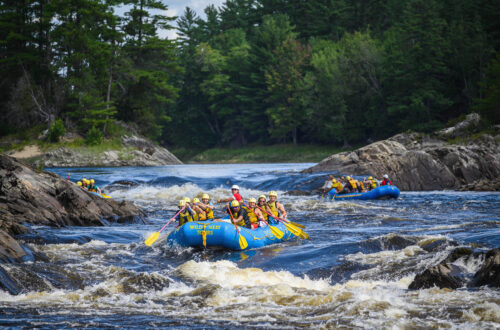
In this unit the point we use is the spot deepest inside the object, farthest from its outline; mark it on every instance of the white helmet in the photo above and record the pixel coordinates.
(386, 176)
(235, 186)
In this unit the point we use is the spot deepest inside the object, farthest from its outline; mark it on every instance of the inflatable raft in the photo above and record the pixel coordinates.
(382, 192)
(223, 234)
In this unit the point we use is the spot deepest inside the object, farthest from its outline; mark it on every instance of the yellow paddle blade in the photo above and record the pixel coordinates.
(276, 232)
(152, 238)
(243, 242)
(298, 225)
(105, 196)
(294, 230)
(304, 235)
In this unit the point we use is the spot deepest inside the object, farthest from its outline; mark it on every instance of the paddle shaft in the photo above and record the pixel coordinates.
(169, 221)
(232, 220)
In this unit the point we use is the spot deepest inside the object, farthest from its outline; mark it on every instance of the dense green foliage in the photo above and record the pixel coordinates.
(56, 130)
(334, 72)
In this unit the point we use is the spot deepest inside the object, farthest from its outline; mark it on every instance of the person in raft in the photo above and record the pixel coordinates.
(93, 187)
(207, 206)
(372, 183)
(277, 209)
(187, 215)
(327, 186)
(239, 215)
(235, 190)
(202, 215)
(386, 181)
(254, 214)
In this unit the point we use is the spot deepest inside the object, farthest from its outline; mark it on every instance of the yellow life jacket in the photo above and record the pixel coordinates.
(187, 217)
(361, 186)
(202, 216)
(251, 214)
(373, 184)
(354, 183)
(209, 213)
(274, 209)
(337, 185)
(264, 214)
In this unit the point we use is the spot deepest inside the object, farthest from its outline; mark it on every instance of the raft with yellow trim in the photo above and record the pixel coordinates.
(224, 235)
(382, 192)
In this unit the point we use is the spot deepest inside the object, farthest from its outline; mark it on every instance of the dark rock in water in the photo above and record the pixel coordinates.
(417, 161)
(436, 245)
(442, 276)
(489, 274)
(125, 183)
(140, 283)
(7, 284)
(298, 193)
(10, 249)
(457, 254)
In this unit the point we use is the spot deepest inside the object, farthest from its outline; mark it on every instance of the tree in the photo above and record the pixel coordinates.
(285, 84)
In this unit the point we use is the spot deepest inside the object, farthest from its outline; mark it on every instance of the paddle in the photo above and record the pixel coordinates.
(323, 194)
(154, 236)
(276, 232)
(333, 198)
(241, 239)
(293, 229)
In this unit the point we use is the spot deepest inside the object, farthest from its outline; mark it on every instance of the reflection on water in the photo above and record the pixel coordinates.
(353, 272)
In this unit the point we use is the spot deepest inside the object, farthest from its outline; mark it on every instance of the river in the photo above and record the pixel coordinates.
(354, 271)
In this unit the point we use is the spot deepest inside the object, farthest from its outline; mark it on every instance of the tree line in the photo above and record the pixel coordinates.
(251, 71)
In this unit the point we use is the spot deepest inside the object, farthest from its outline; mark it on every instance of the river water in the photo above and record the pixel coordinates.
(354, 271)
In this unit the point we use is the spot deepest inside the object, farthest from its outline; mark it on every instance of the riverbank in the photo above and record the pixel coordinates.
(72, 151)
(456, 158)
(279, 153)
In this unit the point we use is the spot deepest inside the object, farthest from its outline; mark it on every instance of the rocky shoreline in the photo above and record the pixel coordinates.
(30, 197)
(448, 159)
(136, 151)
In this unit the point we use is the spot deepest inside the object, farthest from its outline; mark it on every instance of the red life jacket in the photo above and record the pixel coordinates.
(386, 182)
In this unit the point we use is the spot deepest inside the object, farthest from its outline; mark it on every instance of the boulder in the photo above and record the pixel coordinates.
(43, 198)
(489, 274)
(442, 276)
(462, 128)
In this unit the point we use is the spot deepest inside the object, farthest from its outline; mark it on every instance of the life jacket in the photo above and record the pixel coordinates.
(209, 213)
(92, 188)
(186, 216)
(353, 183)
(337, 185)
(251, 214)
(274, 209)
(373, 184)
(264, 214)
(386, 182)
(202, 216)
(361, 187)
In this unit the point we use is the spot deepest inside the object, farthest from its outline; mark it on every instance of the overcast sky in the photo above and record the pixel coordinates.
(177, 7)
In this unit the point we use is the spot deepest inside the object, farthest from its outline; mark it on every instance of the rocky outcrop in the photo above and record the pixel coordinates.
(452, 276)
(417, 161)
(42, 198)
(137, 151)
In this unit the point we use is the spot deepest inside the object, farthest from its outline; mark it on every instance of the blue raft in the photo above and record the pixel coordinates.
(382, 192)
(223, 234)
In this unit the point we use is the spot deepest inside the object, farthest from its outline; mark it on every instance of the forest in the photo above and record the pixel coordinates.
(262, 72)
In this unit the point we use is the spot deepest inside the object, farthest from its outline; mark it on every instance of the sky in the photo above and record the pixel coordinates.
(176, 8)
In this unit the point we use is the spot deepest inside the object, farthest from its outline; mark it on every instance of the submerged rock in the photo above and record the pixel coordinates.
(417, 161)
(442, 276)
(448, 275)
(489, 274)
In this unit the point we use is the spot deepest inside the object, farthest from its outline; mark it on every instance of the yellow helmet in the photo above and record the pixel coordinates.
(182, 203)
(370, 178)
(187, 199)
(235, 203)
(262, 196)
(205, 196)
(196, 200)
(84, 179)
(252, 200)
(273, 193)
(348, 177)
(334, 180)
(79, 183)
(92, 181)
